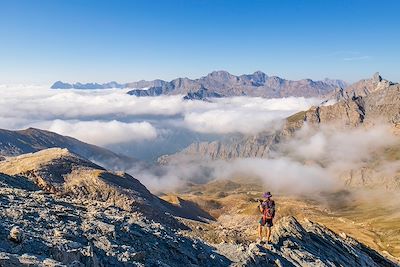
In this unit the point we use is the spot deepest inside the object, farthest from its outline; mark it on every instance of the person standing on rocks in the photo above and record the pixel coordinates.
(267, 208)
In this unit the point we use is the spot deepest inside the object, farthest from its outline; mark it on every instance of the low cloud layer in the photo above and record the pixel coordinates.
(314, 160)
(109, 117)
(339, 148)
(280, 174)
(310, 162)
(103, 133)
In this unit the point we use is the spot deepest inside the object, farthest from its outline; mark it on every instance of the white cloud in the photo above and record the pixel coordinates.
(312, 161)
(246, 115)
(282, 174)
(356, 58)
(333, 145)
(24, 106)
(103, 132)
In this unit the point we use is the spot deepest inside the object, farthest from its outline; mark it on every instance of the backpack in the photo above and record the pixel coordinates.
(269, 210)
(268, 213)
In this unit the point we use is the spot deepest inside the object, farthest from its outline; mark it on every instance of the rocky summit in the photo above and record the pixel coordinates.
(58, 209)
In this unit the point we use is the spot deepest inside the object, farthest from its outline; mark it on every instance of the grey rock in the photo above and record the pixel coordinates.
(307, 244)
(16, 235)
(377, 77)
(202, 94)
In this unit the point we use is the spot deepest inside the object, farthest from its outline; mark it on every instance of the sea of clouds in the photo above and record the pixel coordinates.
(113, 119)
(147, 127)
(311, 162)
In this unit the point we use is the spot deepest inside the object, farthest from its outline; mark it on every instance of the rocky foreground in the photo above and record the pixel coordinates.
(58, 209)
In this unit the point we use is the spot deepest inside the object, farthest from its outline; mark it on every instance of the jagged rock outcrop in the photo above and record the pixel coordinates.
(306, 244)
(202, 94)
(374, 99)
(256, 146)
(13, 143)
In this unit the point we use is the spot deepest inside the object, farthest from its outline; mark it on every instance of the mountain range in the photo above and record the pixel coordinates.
(222, 83)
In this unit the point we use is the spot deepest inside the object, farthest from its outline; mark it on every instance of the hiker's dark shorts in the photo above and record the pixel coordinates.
(268, 222)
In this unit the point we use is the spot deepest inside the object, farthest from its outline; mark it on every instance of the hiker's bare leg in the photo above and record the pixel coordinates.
(268, 233)
(260, 231)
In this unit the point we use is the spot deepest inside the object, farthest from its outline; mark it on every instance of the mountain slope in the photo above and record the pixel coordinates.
(61, 172)
(87, 216)
(14, 143)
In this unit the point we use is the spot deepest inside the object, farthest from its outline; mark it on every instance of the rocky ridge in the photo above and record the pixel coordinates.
(304, 244)
(61, 172)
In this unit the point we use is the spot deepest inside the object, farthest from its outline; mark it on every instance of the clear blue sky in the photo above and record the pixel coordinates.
(82, 40)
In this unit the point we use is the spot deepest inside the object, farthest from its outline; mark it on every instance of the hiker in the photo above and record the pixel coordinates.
(267, 208)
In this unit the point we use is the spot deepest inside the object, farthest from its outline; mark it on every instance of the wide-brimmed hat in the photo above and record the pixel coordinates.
(267, 194)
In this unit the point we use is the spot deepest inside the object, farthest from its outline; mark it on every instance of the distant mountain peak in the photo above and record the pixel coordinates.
(222, 83)
(377, 77)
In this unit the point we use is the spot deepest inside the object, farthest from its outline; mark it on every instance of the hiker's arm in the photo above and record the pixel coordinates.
(261, 208)
(273, 210)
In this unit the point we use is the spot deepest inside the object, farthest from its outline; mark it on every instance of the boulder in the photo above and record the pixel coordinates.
(16, 235)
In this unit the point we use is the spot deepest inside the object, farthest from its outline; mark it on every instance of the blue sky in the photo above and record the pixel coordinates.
(82, 40)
